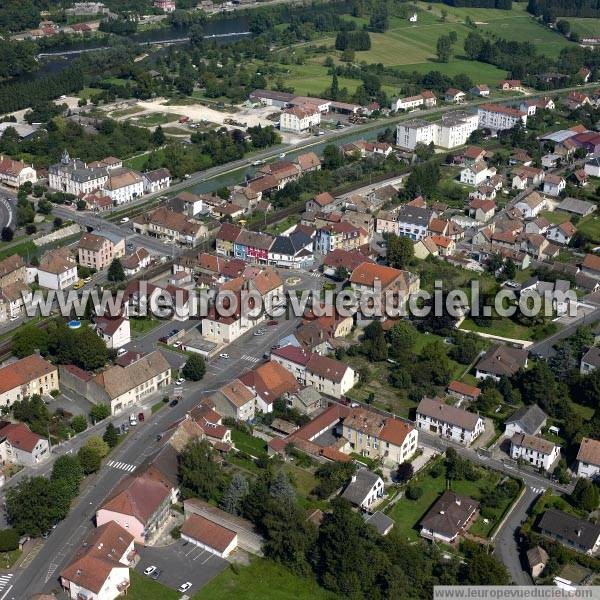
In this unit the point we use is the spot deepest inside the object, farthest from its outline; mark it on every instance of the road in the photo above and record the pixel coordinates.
(6, 211)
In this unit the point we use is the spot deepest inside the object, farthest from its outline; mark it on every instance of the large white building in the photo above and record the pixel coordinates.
(123, 185)
(15, 173)
(534, 450)
(497, 117)
(300, 118)
(73, 176)
(451, 131)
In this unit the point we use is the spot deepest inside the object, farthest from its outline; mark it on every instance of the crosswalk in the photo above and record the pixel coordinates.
(538, 490)
(121, 465)
(248, 358)
(5, 580)
(315, 274)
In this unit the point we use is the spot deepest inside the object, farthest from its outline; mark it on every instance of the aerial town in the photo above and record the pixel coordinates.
(299, 300)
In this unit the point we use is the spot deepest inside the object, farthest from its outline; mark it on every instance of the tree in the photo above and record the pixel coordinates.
(111, 436)
(199, 474)
(7, 234)
(341, 273)
(332, 157)
(510, 269)
(405, 471)
(158, 136)
(374, 342)
(28, 339)
(89, 459)
(235, 494)
(115, 271)
(282, 490)
(483, 569)
(58, 223)
(563, 26)
(195, 368)
(414, 492)
(473, 45)
(99, 412)
(585, 495)
(69, 469)
(399, 251)
(97, 444)
(79, 423)
(444, 49)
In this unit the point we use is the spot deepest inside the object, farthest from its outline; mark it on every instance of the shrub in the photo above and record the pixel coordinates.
(9, 540)
(414, 492)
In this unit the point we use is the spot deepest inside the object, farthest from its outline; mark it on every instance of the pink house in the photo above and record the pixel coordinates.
(139, 504)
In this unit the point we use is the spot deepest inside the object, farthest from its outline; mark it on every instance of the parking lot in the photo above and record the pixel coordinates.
(180, 562)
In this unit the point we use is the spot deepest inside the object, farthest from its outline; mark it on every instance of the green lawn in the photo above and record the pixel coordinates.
(138, 162)
(154, 119)
(260, 580)
(304, 481)
(26, 249)
(590, 227)
(556, 217)
(248, 443)
(8, 559)
(408, 513)
(503, 327)
(126, 112)
(142, 325)
(585, 27)
(144, 588)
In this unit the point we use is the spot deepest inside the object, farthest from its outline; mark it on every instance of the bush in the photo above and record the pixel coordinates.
(9, 540)
(100, 411)
(436, 470)
(79, 423)
(414, 492)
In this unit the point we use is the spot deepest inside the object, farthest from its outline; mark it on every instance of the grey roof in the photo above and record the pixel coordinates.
(115, 238)
(156, 175)
(502, 360)
(449, 514)
(592, 357)
(290, 244)
(574, 530)
(595, 162)
(380, 521)
(529, 418)
(23, 129)
(309, 395)
(360, 486)
(574, 205)
(414, 215)
(559, 136)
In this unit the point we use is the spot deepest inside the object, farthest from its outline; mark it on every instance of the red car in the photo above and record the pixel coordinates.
(141, 417)
(273, 322)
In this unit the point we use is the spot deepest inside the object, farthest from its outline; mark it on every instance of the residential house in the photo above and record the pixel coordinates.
(476, 173)
(20, 446)
(539, 225)
(154, 181)
(554, 184)
(100, 567)
(511, 85)
(482, 91)
(454, 96)
(209, 536)
(425, 247)
(97, 202)
(139, 504)
(576, 100)
(343, 259)
(408, 103)
(321, 202)
(167, 224)
(13, 300)
(379, 437)
(14, 173)
(501, 360)
(122, 387)
(97, 251)
(12, 270)
(482, 210)
(123, 185)
(364, 489)
(57, 269)
(591, 266)
(524, 177)
(445, 420)
(534, 450)
(413, 222)
(342, 235)
(136, 262)
(528, 420)
(498, 118)
(253, 246)
(537, 559)
(27, 376)
(561, 233)
(449, 518)
(531, 205)
(226, 237)
(270, 382)
(308, 162)
(570, 531)
(463, 391)
(592, 168)
(445, 245)
(235, 400)
(588, 458)
(590, 361)
(114, 331)
(294, 251)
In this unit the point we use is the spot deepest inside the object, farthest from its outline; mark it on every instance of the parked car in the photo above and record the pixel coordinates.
(125, 220)
(78, 284)
(180, 381)
(156, 574)
(121, 351)
(87, 279)
(141, 417)
(132, 420)
(273, 322)
(174, 402)
(224, 355)
(184, 587)
(149, 570)
(177, 344)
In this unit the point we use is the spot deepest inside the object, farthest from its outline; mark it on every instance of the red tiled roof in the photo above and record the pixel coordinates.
(462, 388)
(208, 533)
(23, 371)
(20, 436)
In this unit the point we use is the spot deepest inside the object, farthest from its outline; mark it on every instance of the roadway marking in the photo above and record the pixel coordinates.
(4, 580)
(121, 465)
(538, 490)
(6, 592)
(315, 274)
(53, 566)
(249, 358)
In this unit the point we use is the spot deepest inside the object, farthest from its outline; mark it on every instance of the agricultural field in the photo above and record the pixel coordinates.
(585, 27)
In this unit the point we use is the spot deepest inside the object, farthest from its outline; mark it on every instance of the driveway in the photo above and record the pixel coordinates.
(180, 562)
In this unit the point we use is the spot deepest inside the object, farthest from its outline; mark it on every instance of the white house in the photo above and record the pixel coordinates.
(154, 181)
(123, 185)
(476, 173)
(300, 118)
(57, 270)
(527, 419)
(114, 331)
(554, 184)
(592, 168)
(449, 421)
(408, 103)
(497, 117)
(209, 536)
(531, 205)
(590, 361)
(534, 450)
(20, 446)
(364, 489)
(562, 233)
(14, 173)
(588, 458)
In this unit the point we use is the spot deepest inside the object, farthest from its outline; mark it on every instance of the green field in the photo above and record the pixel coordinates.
(590, 227)
(248, 443)
(154, 119)
(585, 27)
(503, 327)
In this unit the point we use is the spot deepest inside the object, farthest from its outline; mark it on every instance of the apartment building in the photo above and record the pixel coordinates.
(299, 119)
(57, 269)
(73, 176)
(27, 376)
(170, 225)
(123, 185)
(534, 450)
(97, 251)
(497, 117)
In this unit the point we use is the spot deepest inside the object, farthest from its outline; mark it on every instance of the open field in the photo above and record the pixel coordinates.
(154, 119)
(585, 27)
(248, 443)
(590, 227)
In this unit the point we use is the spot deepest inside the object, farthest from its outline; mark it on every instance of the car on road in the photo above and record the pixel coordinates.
(87, 279)
(121, 351)
(14, 317)
(125, 220)
(141, 417)
(180, 381)
(184, 587)
(149, 570)
(132, 420)
(78, 284)
(259, 332)
(223, 355)
(156, 574)
(273, 322)
(257, 163)
(177, 344)
(173, 403)
(282, 155)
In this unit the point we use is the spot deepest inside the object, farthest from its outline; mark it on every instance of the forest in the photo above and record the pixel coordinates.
(564, 8)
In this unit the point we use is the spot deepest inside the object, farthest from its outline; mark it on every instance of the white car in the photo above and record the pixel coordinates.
(121, 351)
(184, 587)
(282, 155)
(180, 381)
(224, 355)
(177, 344)
(125, 220)
(149, 570)
(259, 332)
